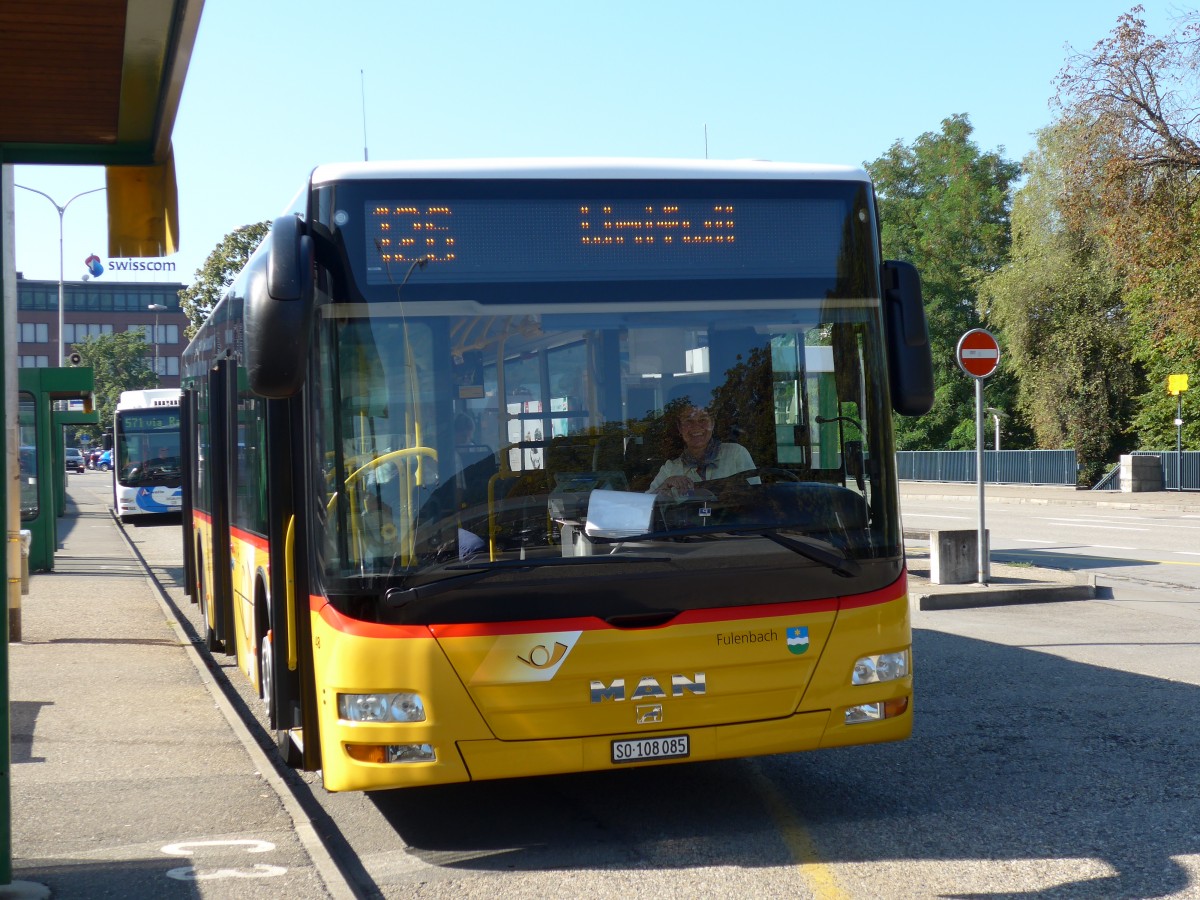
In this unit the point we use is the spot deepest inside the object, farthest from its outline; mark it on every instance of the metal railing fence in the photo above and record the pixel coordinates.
(999, 466)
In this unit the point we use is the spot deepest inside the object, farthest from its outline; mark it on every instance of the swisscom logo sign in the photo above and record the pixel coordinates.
(96, 267)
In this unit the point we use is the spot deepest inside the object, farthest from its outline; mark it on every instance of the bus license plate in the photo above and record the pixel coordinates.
(673, 746)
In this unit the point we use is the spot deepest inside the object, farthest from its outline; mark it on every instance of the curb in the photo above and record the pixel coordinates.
(983, 595)
(335, 881)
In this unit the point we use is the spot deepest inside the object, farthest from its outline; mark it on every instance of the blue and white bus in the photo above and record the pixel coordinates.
(146, 472)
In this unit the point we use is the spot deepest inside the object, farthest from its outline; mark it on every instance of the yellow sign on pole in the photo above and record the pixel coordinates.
(1176, 384)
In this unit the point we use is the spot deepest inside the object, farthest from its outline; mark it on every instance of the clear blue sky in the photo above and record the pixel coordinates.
(274, 88)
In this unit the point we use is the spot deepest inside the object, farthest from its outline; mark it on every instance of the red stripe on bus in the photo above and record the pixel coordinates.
(345, 624)
(250, 537)
(893, 591)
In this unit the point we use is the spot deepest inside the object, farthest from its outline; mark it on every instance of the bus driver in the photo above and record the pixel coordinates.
(704, 457)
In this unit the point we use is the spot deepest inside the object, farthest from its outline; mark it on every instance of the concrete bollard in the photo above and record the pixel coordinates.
(954, 556)
(1140, 473)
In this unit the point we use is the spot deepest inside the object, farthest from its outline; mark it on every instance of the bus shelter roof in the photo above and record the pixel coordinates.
(92, 82)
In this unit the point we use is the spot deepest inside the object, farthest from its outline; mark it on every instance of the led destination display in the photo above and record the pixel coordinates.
(562, 240)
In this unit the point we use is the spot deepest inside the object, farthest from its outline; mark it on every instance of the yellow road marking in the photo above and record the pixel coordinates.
(816, 874)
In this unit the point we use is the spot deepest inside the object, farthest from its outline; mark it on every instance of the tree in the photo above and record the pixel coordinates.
(944, 207)
(218, 272)
(1058, 303)
(119, 364)
(1131, 178)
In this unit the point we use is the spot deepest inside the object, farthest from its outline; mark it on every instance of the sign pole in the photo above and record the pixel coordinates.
(1176, 385)
(978, 354)
(1179, 441)
(982, 558)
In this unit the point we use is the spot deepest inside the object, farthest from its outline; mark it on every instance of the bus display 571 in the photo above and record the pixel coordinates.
(513, 468)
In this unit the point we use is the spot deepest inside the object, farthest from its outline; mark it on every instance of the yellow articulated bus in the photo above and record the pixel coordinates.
(508, 468)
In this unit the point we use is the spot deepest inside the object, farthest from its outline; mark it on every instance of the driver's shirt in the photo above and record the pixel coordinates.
(730, 459)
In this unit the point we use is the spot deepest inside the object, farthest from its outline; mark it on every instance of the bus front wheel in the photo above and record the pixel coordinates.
(210, 635)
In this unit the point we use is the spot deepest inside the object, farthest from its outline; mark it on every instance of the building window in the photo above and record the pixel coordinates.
(79, 331)
(35, 333)
(165, 365)
(33, 362)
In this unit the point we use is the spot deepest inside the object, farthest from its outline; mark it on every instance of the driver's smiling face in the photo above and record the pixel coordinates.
(696, 428)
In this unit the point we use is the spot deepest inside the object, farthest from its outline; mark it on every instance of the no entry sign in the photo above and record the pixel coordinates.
(978, 353)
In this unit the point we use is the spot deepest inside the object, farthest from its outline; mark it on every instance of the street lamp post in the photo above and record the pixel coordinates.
(62, 349)
(157, 307)
(997, 415)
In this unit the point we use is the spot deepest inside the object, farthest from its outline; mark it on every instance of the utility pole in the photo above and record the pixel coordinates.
(62, 347)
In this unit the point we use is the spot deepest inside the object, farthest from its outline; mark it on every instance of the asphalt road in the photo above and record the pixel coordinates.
(1054, 756)
(1155, 547)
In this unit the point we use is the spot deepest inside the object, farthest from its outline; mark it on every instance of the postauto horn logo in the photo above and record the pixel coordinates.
(94, 266)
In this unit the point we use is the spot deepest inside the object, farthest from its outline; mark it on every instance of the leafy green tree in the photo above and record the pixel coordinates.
(218, 272)
(1131, 178)
(944, 207)
(1058, 303)
(120, 363)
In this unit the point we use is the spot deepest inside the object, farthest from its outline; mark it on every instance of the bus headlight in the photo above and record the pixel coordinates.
(400, 707)
(881, 667)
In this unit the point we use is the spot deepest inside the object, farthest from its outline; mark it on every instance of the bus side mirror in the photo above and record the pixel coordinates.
(910, 361)
(279, 309)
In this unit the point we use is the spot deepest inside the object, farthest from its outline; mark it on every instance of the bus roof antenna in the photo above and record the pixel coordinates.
(362, 83)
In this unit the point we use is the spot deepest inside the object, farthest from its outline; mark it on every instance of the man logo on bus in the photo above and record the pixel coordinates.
(797, 639)
(94, 266)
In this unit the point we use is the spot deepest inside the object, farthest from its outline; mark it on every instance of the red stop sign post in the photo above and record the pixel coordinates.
(978, 354)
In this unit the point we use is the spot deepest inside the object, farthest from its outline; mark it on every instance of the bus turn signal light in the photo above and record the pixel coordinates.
(875, 712)
(391, 753)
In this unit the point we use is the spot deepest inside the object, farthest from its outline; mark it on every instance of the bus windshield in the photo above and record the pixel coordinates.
(453, 440)
(147, 443)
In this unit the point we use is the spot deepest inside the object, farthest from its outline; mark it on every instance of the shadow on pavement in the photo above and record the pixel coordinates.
(1016, 755)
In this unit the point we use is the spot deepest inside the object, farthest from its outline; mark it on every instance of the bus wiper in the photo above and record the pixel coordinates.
(818, 551)
(477, 571)
(811, 548)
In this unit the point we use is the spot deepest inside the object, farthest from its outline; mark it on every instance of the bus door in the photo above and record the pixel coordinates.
(223, 425)
(292, 702)
(187, 415)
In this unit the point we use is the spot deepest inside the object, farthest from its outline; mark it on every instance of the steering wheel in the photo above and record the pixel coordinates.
(373, 464)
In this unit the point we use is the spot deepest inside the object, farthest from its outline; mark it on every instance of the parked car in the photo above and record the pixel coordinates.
(75, 461)
(104, 463)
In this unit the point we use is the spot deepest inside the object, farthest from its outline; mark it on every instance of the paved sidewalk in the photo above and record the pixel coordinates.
(1022, 584)
(132, 777)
